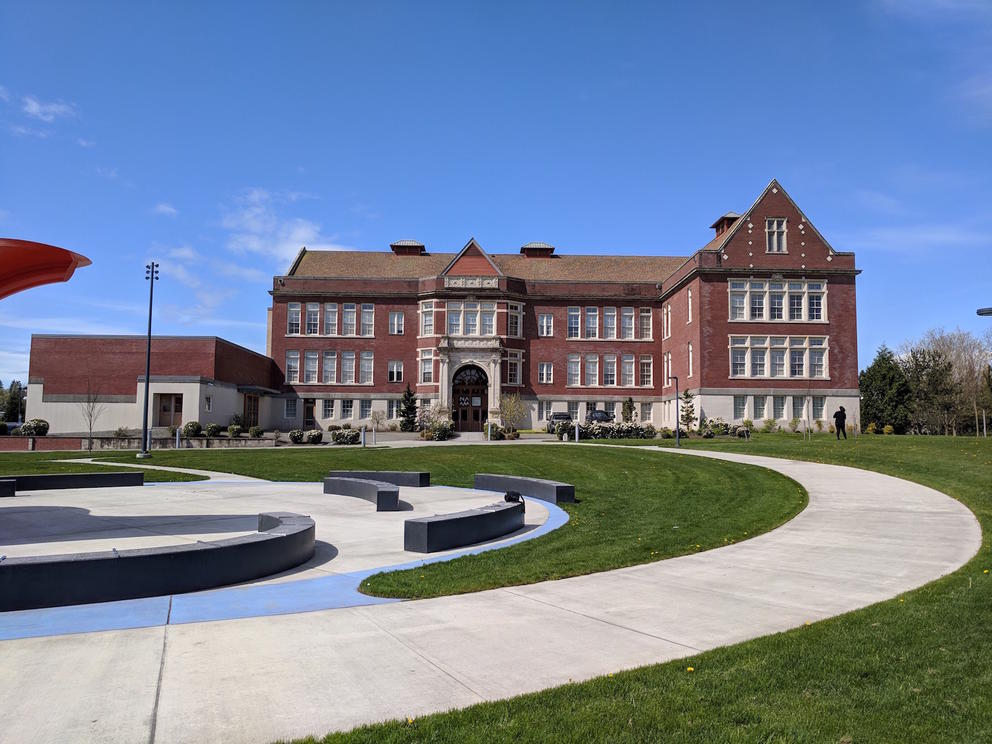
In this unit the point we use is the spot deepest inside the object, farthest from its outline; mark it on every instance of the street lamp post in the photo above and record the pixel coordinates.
(151, 275)
(678, 442)
(985, 311)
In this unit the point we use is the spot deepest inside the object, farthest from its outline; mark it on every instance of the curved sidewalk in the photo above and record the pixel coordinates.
(864, 537)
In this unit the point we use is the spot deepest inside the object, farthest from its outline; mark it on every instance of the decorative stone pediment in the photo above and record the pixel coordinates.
(471, 282)
(469, 343)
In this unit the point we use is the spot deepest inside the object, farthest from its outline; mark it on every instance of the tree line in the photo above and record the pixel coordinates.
(939, 384)
(12, 401)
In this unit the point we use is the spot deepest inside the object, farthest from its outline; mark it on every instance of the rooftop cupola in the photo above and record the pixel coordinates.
(408, 248)
(725, 222)
(537, 250)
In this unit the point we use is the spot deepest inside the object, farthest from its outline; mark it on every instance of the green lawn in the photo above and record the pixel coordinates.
(633, 506)
(25, 463)
(913, 669)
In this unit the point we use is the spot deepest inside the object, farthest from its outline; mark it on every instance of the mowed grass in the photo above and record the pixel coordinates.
(27, 463)
(917, 668)
(634, 507)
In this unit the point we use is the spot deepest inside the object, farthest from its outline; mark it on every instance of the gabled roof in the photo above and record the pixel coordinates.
(471, 245)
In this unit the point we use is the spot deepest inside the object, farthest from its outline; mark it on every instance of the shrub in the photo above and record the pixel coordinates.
(34, 428)
(276, 434)
(3, 428)
(122, 432)
(408, 410)
(255, 432)
(236, 420)
(191, 429)
(445, 429)
(747, 424)
(627, 410)
(234, 431)
(296, 436)
(613, 430)
(794, 425)
(15, 432)
(831, 428)
(333, 427)
(665, 433)
(769, 425)
(872, 428)
(314, 436)
(377, 419)
(819, 424)
(394, 426)
(345, 426)
(212, 430)
(345, 436)
(719, 426)
(649, 431)
(708, 433)
(172, 431)
(497, 432)
(888, 429)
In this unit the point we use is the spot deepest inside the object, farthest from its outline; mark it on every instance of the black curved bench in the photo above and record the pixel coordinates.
(413, 478)
(283, 541)
(445, 531)
(538, 488)
(49, 481)
(385, 496)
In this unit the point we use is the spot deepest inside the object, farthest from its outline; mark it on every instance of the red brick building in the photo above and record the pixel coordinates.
(759, 323)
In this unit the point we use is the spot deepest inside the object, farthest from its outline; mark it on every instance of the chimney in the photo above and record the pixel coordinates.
(725, 222)
(537, 250)
(408, 248)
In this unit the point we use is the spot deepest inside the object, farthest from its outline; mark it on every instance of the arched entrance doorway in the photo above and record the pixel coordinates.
(469, 398)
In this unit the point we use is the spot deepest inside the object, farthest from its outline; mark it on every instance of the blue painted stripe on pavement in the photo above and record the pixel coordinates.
(122, 615)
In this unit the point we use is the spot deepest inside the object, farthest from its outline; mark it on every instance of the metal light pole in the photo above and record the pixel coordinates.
(985, 311)
(151, 275)
(678, 423)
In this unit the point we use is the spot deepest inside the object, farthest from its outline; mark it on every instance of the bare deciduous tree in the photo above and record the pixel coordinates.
(91, 408)
(512, 412)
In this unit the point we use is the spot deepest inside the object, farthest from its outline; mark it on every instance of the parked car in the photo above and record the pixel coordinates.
(599, 417)
(554, 419)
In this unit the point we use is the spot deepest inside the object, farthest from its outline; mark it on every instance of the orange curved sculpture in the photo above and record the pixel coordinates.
(25, 264)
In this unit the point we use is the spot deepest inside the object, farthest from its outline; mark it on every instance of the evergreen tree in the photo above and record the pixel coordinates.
(885, 393)
(14, 404)
(627, 412)
(408, 410)
(934, 391)
(687, 415)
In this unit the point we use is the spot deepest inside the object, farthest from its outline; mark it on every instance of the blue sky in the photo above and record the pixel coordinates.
(220, 137)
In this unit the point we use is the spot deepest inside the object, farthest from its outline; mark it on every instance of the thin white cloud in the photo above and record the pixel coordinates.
(4, 94)
(47, 112)
(878, 201)
(166, 209)
(976, 93)
(243, 273)
(4, 214)
(183, 253)
(13, 366)
(67, 324)
(180, 273)
(22, 131)
(109, 173)
(919, 239)
(85, 142)
(937, 9)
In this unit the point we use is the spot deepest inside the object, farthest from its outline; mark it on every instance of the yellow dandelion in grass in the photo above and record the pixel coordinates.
(985, 571)
(690, 669)
(808, 622)
(902, 600)
(409, 721)
(610, 674)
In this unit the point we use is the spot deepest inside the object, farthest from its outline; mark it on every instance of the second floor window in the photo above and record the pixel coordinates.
(427, 319)
(644, 369)
(513, 319)
(572, 377)
(627, 370)
(592, 370)
(292, 366)
(609, 370)
(396, 323)
(572, 327)
(644, 322)
(331, 319)
(609, 322)
(293, 318)
(427, 366)
(348, 367)
(330, 367)
(627, 322)
(313, 318)
(368, 320)
(365, 368)
(348, 319)
(310, 359)
(545, 324)
(545, 370)
(592, 322)
(513, 364)
(395, 371)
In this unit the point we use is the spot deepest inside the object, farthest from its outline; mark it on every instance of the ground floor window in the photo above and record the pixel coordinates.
(759, 407)
(543, 410)
(818, 403)
(392, 409)
(289, 409)
(646, 412)
(328, 408)
(740, 406)
(364, 409)
(209, 404)
(798, 407)
(347, 408)
(779, 407)
(573, 409)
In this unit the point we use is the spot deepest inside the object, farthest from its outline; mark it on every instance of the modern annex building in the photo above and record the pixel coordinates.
(759, 323)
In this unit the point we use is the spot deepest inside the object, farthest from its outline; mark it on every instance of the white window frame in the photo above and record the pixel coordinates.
(590, 323)
(293, 318)
(740, 407)
(627, 323)
(573, 371)
(330, 319)
(347, 408)
(805, 289)
(649, 360)
(689, 307)
(545, 373)
(327, 408)
(366, 320)
(425, 367)
(770, 344)
(312, 314)
(573, 322)
(427, 318)
(348, 367)
(311, 366)
(514, 368)
(642, 314)
(514, 315)
(590, 362)
(397, 322)
(290, 408)
(366, 367)
(349, 319)
(292, 367)
(776, 235)
(329, 371)
(545, 325)
(394, 371)
(364, 409)
(628, 371)
(609, 323)
(609, 370)
(690, 359)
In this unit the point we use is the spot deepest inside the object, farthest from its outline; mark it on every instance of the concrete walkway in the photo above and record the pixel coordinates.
(208, 474)
(865, 537)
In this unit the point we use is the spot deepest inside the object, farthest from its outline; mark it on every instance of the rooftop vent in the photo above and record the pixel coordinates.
(537, 250)
(408, 248)
(725, 222)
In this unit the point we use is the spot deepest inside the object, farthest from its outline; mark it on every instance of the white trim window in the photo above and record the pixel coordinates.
(610, 370)
(689, 306)
(740, 406)
(778, 407)
(819, 402)
(364, 409)
(592, 323)
(310, 362)
(667, 363)
(545, 325)
(396, 322)
(797, 357)
(292, 366)
(591, 370)
(293, 319)
(347, 408)
(573, 370)
(666, 321)
(289, 408)
(331, 319)
(470, 319)
(349, 318)
(366, 362)
(514, 319)
(690, 359)
(646, 410)
(330, 371)
(514, 363)
(427, 366)
(801, 301)
(394, 371)
(775, 228)
(573, 409)
(798, 407)
(758, 405)
(488, 315)
(426, 318)
(313, 319)
(627, 323)
(348, 367)
(644, 324)
(368, 320)
(327, 408)
(627, 370)
(609, 322)
(454, 313)
(573, 322)
(545, 373)
(392, 409)
(543, 410)
(645, 370)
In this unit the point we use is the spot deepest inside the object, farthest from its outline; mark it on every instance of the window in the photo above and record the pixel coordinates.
(668, 368)
(777, 363)
(543, 409)
(690, 360)
(292, 366)
(293, 319)
(591, 406)
(348, 367)
(573, 370)
(803, 300)
(778, 407)
(758, 409)
(666, 321)
(757, 362)
(818, 403)
(592, 370)
(364, 409)
(545, 371)
(737, 300)
(348, 311)
(392, 409)
(513, 364)
(645, 412)
(775, 234)
(328, 407)
(313, 318)
(488, 318)
(795, 302)
(610, 369)
(396, 323)
(208, 404)
(798, 407)
(330, 367)
(572, 327)
(427, 366)
(797, 363)
(627, 370)
(454, 318)
(394, 372)
(470, 319)
(689, 295)
(289, 408)
(815, 305)
(427, 319)
(738, 362)
(627, 322)
(750, 356)
(513, 319)
(368, 320)
(331, 319)
(757, 301)
(740, 406)
(645, 368)
(776, 302)
(573, 409)
(609, 322)
(347, 408)
(592, 322)
(365, 368)
(644, 323)
(816, 366)
(545, 324)
(310, 366)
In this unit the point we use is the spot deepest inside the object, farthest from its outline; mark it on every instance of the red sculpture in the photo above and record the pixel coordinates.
(25, 264)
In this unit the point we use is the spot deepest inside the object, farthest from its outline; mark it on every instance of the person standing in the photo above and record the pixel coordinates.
(840, 422)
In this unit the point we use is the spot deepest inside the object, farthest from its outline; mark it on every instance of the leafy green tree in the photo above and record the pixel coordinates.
(408, 410)
(627, 411)
(934, 390)
(687, 416)
(885, 393)
(14, 403)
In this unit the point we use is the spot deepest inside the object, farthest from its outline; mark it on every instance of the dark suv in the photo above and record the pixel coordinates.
(558, 418)
(599, 417)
